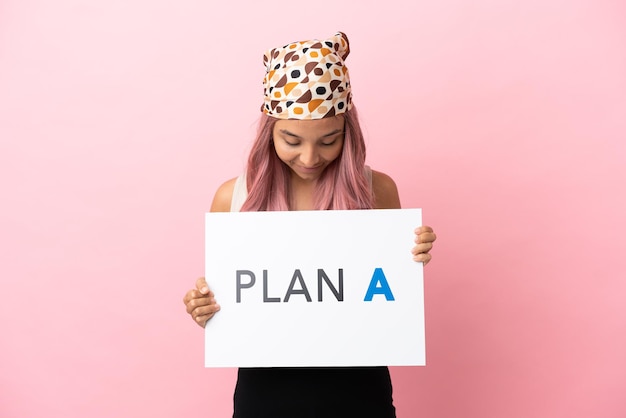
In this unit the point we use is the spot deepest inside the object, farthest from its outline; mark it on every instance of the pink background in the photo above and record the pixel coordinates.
(504, 120)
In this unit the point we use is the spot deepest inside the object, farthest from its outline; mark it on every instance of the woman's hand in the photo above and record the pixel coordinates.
(200, 303)
(424, 239)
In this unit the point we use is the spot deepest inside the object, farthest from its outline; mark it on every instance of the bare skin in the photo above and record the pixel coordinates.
(307, 147)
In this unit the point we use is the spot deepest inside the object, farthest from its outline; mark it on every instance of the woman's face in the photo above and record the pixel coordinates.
(309, 146)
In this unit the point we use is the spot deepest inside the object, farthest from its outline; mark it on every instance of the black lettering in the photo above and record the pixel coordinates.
(302, 291)
(322, 277)
(244, 285)
(265, 297)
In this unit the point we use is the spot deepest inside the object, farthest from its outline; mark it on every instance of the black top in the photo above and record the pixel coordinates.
(314, 392)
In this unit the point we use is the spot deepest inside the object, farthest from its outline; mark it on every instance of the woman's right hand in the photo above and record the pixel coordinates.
(200, 303)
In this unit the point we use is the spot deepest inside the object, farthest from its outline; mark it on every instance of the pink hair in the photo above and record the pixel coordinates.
(342, 185)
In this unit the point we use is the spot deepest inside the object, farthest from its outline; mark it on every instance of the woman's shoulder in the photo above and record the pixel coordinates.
(224, 196)
(385, 191)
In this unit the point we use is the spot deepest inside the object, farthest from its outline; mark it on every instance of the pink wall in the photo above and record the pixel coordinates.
(505, 121)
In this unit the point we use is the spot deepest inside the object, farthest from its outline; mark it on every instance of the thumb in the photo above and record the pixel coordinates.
(202, 286)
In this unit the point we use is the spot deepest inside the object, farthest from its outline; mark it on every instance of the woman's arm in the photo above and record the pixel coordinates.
(385, 191)
(200, 301)
(386, 197)
(223, 197)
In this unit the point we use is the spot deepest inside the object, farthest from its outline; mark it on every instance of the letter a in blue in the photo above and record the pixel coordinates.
(378, 286)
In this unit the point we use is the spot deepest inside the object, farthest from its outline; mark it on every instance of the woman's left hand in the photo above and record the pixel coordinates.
(424, 239)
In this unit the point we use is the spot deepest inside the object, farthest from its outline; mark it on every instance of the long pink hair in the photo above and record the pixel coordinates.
(342, 185)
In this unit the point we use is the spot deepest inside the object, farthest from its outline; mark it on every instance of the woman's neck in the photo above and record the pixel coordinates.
(302, 193)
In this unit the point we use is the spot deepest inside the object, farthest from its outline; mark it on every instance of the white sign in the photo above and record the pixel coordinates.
(314, 288)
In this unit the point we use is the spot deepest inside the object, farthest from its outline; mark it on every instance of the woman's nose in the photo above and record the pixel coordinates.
(309, 157)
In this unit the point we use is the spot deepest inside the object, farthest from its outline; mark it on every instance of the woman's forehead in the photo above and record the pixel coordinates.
(325, 124)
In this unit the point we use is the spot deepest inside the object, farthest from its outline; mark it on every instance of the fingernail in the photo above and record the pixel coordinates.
(205, 290)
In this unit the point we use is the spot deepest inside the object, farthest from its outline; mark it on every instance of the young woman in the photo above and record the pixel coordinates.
(309, 154)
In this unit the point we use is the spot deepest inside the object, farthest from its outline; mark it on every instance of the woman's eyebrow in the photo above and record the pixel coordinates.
(335, 132)
(286, 132)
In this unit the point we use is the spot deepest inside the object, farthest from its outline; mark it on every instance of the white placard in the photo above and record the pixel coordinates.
(294, 287)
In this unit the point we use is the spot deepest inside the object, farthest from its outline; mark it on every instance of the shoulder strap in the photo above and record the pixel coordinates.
(368, 174)
(240, 193)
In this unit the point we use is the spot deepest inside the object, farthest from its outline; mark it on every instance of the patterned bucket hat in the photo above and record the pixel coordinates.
(307, 79)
